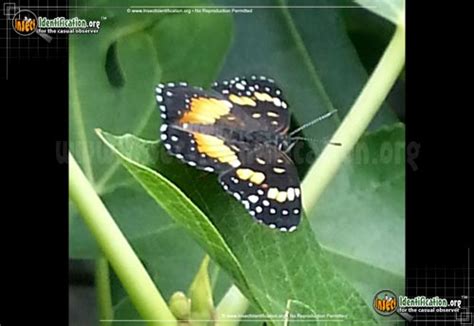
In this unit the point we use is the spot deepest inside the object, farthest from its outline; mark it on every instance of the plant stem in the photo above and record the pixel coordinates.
(232, 304)
(102, 284)
(133, 276)
(357, 120)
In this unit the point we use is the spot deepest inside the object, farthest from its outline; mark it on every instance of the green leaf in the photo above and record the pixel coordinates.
(360, 219)
(310, 56)
(392, 10)
(112, 78)
(273, 269)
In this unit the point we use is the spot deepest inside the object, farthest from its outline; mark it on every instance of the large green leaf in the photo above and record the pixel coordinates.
(272, 269)
(360, 219)
(112, 78)
(308, 53)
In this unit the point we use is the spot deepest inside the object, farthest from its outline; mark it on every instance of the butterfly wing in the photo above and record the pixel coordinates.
(259, 99)
(267, 184)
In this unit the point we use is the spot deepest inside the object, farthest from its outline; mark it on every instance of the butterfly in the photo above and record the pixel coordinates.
(239, 130)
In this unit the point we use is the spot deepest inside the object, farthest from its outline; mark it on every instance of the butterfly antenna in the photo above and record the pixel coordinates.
(315, 140)
(306, 125)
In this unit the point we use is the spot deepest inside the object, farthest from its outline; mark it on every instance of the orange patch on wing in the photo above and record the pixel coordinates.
(205, 110)
(215, 148)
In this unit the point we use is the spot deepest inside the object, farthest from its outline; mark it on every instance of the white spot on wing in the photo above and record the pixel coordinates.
(290, 192)
(253, 199)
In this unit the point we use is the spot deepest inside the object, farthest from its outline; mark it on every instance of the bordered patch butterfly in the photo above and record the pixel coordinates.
(238, 129)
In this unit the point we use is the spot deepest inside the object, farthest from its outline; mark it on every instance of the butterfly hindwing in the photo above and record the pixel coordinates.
(267, 184)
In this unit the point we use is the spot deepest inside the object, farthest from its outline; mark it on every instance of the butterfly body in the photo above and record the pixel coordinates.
(238, 130)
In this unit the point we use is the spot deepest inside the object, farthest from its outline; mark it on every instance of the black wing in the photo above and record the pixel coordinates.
(267, 184)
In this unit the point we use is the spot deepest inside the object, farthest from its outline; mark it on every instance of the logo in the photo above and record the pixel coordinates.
(385, 303)
(25, 22)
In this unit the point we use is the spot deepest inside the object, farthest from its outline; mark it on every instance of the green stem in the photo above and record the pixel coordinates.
(232, 304)
(102, 284)
(133, 276)
(357, 120)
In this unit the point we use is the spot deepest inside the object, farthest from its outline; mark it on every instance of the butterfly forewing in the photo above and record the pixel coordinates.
(185, 111)
(261, 100)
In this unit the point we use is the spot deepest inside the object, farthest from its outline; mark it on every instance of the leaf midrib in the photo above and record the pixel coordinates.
(190, 203)
(359, 261)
